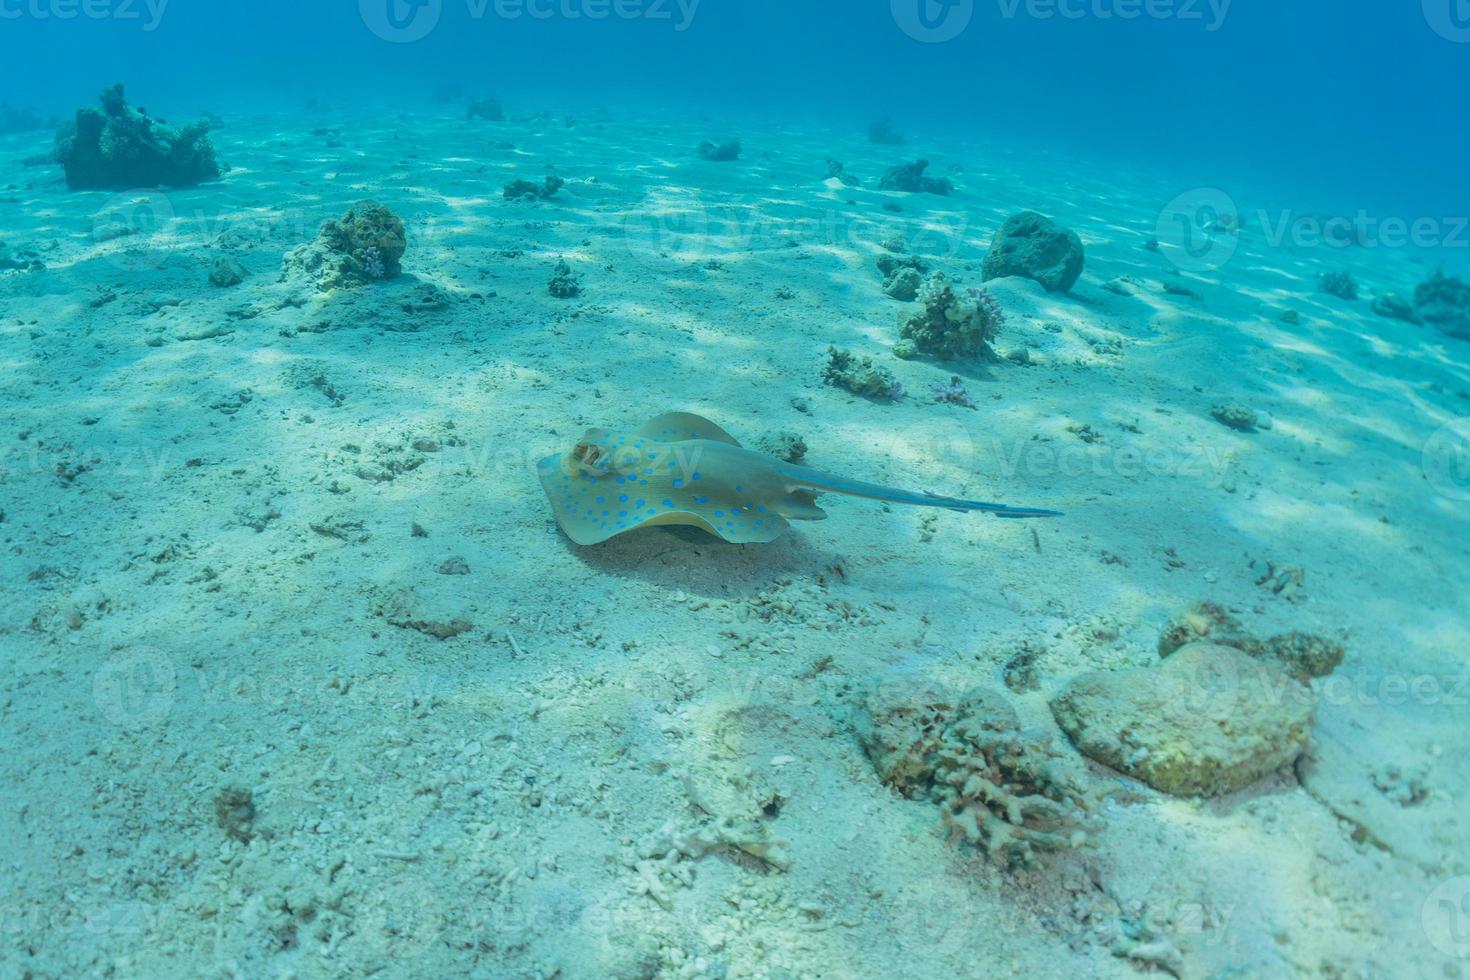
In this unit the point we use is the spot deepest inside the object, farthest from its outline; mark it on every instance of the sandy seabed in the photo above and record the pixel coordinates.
(302, 680)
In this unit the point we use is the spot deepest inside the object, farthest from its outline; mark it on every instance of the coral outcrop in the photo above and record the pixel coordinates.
(952, 324)
(861, 376)
(1339, 284)
(365, 245)
(910, 178)
(719, 152)
(1207, 720)
(118, 147)
(564, 282)
(1302, 655)
(488, 109)
(996, 788)
(530, 190)
(1035, 247)
(903, 275)
(1395, 307)
(1444, 302)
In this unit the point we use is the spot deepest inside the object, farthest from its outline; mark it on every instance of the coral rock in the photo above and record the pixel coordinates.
(365, 245)
(1208, 720)
(1035, 247)
(909, 178)
(120, 148)
(951, 325)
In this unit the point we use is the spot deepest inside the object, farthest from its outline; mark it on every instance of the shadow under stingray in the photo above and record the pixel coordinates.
(688, 558)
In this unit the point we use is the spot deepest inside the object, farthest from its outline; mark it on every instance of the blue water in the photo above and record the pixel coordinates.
(1353, 104)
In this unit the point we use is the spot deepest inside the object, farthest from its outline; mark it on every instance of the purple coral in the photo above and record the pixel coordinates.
(953, 393)
(372, 263)
(991, 313)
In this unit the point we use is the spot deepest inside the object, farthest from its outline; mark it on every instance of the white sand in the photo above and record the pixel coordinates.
(479, 805)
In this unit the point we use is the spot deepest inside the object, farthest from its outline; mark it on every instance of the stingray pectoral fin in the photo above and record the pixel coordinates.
(682, 426)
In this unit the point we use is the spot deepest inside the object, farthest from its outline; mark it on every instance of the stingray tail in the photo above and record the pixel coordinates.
(827, 483)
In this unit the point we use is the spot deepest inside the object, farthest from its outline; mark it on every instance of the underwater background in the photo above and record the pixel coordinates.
(351, 627)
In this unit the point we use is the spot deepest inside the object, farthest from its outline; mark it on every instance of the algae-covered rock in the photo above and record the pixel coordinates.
(860, 376)
(1302, 655)
(1208, 720)
(119, 147)
(365, 245)
(1035, 247)
(910, 178)
(719, 152)
(951, 324)
(226, 272)
(1395, 307)
(1205, 621)
(1444, 301)
(1234, 415)
(903, 285)
(564, 282)
(529, 190)
(1340, 284)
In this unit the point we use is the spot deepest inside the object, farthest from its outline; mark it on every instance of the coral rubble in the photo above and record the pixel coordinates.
(995, 788)
(119, 147)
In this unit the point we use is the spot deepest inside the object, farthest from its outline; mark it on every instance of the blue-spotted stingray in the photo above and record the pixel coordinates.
(683, 469)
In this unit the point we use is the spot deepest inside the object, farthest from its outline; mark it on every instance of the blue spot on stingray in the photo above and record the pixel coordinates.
(739, 489)
(638, 504)
(648, 472)
(668, 503)
(602, 500)
(761, 509)
(653, 513)
(623, 499)
(699, 476)
(719, 513)
(622, 513)
(622, 480)
(606, 513)
(678, 484)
